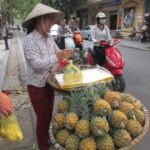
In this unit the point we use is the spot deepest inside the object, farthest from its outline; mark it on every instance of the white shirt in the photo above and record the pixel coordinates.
(40, 56)
(98, 34)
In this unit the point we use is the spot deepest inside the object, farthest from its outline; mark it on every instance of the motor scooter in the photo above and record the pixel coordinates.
(113, 62)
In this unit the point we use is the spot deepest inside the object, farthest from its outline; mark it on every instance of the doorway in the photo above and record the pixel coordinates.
(113, 22)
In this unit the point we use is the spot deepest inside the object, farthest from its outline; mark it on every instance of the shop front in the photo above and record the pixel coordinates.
(122, 15)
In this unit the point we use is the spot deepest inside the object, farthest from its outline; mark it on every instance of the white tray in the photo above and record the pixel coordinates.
(90, 76)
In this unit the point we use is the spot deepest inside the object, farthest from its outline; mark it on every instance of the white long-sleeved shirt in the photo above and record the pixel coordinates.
(40, 56)
(98, 34)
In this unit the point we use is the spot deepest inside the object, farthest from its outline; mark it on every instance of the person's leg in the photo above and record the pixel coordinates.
(42, 100)
(99, 55)
(6, 43)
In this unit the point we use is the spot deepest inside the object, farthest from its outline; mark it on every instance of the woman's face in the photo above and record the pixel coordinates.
(48, 22)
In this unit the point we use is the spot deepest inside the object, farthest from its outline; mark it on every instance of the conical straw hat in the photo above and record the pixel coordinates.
(40, 10)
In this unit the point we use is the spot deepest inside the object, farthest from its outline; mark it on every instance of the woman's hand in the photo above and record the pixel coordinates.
(64, 54)
(6, 107)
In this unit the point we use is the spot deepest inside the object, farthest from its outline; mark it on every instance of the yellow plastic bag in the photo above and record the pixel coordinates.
(10, 129)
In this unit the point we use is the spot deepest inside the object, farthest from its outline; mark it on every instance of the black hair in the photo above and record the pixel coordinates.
(31, 25)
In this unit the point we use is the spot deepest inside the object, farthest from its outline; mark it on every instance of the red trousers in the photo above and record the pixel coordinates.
(42, 100)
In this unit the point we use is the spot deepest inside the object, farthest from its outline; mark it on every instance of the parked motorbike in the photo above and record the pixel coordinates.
(113, 62)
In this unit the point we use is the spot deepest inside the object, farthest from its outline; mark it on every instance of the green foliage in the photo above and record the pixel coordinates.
(66, 6)
(18, 9)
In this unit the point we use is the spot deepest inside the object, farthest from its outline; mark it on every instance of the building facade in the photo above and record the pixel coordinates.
(122, 15)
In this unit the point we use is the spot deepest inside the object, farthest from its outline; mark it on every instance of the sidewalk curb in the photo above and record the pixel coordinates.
(135, 48)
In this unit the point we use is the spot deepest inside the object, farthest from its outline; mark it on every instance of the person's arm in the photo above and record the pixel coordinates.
(69, 29)
(6, 107)
(59, 31)
(78, 30)
(93, 35)
(108, 33)
(32, 54)
(60, 54)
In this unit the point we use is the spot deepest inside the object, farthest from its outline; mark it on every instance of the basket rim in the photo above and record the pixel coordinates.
(133, 142)
(53, 82)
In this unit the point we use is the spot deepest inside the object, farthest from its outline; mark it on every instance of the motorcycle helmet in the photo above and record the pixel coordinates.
(100, 15)
(101, 18)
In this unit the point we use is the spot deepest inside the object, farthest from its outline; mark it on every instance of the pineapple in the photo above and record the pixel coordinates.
(127, 98)
(118, 119)
(121, 138)
(137, 105)
(127, 108)
(105, 143)
(55, 130)
(72, 142)
(87, 144)
(102, 108)
(58, 120)
(82, 128)
(113, 98)
(71, 120)
(62, 106)
(134, 128)
(139, 116)
(62, 136)
(79, 105)
(99, 126)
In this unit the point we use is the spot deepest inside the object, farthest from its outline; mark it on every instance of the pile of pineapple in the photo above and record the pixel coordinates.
(97, 119)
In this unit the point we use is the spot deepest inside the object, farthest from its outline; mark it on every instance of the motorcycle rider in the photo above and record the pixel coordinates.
(74, 30)
(73, 27)
(62, 30)
(100, 32)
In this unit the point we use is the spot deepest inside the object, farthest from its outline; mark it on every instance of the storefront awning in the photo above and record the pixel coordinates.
(110, 4)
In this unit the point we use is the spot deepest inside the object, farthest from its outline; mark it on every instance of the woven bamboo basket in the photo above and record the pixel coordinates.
(53, 82)
(128, 147)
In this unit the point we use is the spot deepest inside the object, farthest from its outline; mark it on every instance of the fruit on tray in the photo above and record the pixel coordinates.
(121, 138)
(87, 143)
(105, 143)
(99, 126)
(97, 119)
(118, 119)
(62, 106)
(72, 142)
(113, 98)
(62, 135)
(72, 74)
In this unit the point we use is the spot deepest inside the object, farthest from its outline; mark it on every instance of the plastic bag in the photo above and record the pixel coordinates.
(69, 43)
(10, 129)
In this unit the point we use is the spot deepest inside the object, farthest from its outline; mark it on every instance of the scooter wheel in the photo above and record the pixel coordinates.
(119, 83)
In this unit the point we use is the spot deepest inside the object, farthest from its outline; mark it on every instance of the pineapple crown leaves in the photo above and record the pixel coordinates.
(102, 89)
(84, 109)
(91, 93)
(79, 104)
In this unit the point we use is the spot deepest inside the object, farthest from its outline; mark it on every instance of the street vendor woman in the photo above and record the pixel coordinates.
(41, 53)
